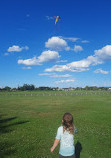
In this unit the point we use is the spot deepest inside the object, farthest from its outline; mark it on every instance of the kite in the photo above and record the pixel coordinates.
(56, 19)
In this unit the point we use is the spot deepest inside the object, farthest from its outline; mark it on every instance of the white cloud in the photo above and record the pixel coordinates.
(46, 56)
(99, 57)
(15, 48)
(57, 68)
(57, 43)
(54, 75)
(65, 81)
(66, 68)
(85, 41)
(67, 48)
(60, 76)
(6, 54)
(94, 60)
(33, 61)
(77, 66)
(44, 74)
(78, 48)
(26, 48)
(49, 17)
(104, 53)
(73, 39)
(61, 61)
(80, 64)
(27, 68)
(101, 71)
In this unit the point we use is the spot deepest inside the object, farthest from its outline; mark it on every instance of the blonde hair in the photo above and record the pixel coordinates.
(67, 123)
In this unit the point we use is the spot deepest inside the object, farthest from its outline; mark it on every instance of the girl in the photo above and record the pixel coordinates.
(65, 135)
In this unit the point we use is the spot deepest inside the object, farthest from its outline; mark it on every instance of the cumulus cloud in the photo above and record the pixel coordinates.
(94, 60)
(33, 61)
(104, 53)
(99, 57)
(46, 56)
(101, 71)
(65, 81)
(16, 48)
(76, 66)
(78, 48)
(57, 43)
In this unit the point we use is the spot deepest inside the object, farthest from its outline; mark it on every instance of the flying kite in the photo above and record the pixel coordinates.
(56, 19)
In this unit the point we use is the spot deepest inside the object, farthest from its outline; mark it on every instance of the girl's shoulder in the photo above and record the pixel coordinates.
(60, 128)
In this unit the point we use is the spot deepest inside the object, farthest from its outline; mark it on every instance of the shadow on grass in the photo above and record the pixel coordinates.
(78, 149)
(7, 148)
(5, 124)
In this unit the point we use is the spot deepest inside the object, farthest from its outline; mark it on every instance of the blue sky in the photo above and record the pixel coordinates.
(75, 52)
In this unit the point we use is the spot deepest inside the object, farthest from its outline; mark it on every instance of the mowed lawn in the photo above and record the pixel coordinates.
(28, 125)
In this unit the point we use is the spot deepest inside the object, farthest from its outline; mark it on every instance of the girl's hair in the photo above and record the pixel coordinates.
(67, 123)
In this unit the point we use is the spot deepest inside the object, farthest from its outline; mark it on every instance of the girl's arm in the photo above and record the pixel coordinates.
(56, 142)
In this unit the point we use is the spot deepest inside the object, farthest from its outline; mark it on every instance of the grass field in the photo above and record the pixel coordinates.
(28, 123)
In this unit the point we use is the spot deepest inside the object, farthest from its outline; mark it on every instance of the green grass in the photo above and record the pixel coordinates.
(28, 124)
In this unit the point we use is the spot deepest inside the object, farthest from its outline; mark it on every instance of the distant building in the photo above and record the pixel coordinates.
(65, 89)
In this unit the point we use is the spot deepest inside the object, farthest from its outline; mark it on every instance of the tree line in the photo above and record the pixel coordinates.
(31, 87)
(25, 87)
